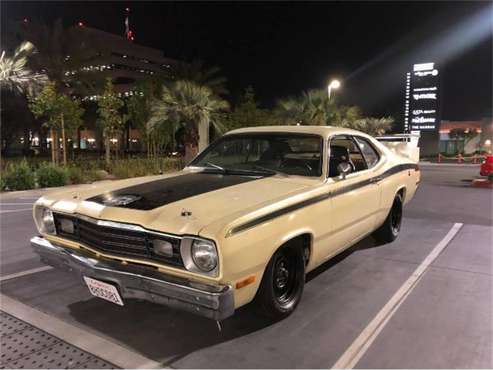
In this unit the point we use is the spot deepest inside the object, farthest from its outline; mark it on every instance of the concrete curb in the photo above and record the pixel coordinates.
(434, 164)
(40, 191)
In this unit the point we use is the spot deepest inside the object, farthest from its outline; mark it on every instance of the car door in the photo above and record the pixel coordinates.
(356, 198)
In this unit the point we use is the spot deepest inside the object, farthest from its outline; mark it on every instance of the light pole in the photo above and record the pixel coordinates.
(334, 84)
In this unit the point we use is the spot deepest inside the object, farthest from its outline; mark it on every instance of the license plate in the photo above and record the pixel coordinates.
(103, 290)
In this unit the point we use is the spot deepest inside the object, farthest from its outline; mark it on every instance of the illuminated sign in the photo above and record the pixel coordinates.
(421, 101)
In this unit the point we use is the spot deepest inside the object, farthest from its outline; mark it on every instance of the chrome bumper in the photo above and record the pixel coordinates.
(140, 282)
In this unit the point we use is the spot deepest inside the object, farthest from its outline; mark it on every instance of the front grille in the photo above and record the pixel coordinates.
(118, 241)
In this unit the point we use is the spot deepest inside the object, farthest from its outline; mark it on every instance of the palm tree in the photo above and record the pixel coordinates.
(290, 111)
(346, 116)
(191, 106)
(374, 126)
(198, 73)
(15, 74)
(311, 108)
(318, 107)
(314, 108)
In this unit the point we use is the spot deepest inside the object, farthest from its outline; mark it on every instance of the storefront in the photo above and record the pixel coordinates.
(465, 137)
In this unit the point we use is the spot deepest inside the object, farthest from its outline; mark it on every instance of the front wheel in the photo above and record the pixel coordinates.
(390, 229)
(282, 284)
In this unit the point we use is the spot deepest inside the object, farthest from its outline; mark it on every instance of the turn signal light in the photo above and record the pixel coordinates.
(243, 283)
(162, 248)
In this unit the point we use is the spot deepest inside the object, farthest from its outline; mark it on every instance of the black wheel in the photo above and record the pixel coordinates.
(282, 284)
(390, 229)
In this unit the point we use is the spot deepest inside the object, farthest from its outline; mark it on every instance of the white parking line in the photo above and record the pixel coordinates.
(358, 348)
(94, 344)
(24, 273)
(16, 204)
(16, 210)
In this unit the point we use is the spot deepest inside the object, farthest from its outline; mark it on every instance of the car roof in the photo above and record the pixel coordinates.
(324, 131)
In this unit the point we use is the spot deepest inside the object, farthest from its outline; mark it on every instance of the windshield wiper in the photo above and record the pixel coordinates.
(229, 171)
(217, 167)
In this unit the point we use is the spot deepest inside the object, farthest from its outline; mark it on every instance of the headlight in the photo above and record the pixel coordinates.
(45, 220)
(199, 255)
(204, 255)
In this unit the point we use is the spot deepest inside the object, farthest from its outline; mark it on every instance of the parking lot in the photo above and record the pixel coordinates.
(351, 315)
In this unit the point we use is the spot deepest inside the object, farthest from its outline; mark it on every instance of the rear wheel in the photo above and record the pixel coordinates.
(390, 229)
(282, 284)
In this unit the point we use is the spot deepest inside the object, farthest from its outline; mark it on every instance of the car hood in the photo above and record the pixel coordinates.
(180, 203)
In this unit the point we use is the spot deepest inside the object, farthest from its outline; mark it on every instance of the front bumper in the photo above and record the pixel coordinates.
(139, 282)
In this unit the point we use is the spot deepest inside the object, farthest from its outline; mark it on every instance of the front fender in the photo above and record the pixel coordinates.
(247, 254)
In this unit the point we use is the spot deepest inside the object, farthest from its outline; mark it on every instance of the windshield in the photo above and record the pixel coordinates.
(289, 154)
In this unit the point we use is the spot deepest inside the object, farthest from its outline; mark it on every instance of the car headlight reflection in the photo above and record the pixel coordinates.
(204, 255)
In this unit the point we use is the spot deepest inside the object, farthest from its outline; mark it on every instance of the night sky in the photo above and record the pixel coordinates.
(283, 48)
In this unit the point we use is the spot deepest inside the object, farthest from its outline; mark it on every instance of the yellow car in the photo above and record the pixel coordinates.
(244, 221)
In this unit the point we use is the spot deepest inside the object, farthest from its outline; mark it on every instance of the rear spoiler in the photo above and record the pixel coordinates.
(403, 144)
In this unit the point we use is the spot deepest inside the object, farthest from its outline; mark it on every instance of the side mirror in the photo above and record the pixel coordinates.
(343, 168)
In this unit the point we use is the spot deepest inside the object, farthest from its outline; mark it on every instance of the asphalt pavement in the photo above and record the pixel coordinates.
(443, 317)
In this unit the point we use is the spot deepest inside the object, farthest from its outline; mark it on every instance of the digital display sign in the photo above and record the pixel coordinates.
(421, 103)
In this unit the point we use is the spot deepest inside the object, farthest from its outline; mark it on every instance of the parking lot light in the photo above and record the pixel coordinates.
(334, 84)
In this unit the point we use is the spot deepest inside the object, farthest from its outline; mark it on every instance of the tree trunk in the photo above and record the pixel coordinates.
(64, 141)
(78, 143)
(27, 142)
(127, 138)
(56, 147)
(173, 138)
(191, 141)
(57, 150)
(42, 141)
(107, 150)
(191, 150)
(148, 148)
(53, 155)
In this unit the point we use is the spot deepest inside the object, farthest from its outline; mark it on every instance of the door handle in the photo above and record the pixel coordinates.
(376, 179)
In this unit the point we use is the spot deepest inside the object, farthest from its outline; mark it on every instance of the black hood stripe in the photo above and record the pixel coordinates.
(158, 193)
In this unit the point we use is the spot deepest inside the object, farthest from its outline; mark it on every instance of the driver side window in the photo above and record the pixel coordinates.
(344, 149)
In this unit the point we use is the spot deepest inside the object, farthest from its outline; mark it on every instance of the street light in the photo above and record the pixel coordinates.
(334, 84)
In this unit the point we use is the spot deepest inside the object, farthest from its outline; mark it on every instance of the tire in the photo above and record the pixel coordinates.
(282, 284)
(390, 229)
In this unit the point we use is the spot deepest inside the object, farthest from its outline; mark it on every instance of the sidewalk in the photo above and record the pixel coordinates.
(26, 346)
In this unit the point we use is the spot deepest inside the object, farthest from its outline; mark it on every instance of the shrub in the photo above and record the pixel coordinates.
(74, 175)
(126, 168)
(18, 176)
(49, 175)
(123, 169)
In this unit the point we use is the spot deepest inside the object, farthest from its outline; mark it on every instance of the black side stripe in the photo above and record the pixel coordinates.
(320, 198)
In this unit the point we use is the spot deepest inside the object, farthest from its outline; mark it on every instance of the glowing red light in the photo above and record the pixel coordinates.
(80, 24)
(25, 20)
(127, 9)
